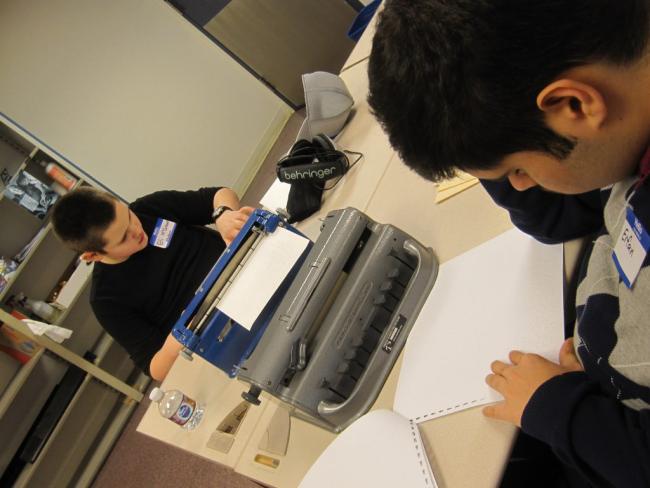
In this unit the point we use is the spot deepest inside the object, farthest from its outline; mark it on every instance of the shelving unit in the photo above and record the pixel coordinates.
(110, 387)
(18, 381)
(28, 396)
(23, 264)
(60, 459)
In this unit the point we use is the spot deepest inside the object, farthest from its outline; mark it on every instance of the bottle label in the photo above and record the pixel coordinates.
(184, 412)
(60, 176)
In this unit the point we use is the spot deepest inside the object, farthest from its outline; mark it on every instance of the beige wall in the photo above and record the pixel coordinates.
(133, 94)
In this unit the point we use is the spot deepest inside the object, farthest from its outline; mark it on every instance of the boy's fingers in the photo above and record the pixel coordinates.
(515, 356)
(496, 382)
(494, 411)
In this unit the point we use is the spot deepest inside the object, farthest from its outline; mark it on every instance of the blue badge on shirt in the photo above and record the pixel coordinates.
(162, 233)
(631, 248)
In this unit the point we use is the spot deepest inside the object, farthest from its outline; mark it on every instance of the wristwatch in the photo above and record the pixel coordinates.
(217, 212)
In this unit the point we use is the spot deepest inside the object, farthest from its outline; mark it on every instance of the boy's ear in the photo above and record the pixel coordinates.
(572, 108)
(91, 256)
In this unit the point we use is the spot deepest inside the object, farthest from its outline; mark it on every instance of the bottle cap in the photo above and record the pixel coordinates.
(156, 394)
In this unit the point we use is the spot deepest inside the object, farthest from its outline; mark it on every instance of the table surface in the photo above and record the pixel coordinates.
(465, 448)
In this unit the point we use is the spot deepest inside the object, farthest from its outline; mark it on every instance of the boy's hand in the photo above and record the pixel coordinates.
(518, 381)
(230, 222)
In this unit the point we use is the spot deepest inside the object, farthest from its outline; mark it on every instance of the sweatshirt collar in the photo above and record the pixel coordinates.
(644, 167)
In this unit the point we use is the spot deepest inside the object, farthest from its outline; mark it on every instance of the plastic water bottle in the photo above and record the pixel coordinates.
(61, 176)
(177, 407)
(42, 309)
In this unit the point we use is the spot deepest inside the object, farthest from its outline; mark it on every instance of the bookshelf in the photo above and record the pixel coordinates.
(89, 415)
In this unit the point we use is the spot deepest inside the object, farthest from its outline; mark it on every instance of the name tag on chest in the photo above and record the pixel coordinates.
(631, 248)
(163, 233)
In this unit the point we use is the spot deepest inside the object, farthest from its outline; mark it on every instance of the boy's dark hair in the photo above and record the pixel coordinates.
(81, 217)
(454, 82)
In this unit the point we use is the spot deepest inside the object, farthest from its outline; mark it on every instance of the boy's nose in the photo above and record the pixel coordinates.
(521, 181)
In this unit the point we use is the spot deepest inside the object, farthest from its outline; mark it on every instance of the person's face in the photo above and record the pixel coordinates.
(527, 169)
(584, 170)
(124, 236)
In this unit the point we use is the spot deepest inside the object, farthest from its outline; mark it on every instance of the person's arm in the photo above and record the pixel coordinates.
(192, 207)
(560, 405)
(231, 221)
(606, 441)
(227, 197)
(195, 207)
(549, 217)
(164, 359)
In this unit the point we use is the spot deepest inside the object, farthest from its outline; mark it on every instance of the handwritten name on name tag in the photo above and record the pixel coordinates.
(162, 233)
(631, 248)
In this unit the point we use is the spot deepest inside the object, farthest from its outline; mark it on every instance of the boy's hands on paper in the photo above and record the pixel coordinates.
(230, 223)
(518, 381)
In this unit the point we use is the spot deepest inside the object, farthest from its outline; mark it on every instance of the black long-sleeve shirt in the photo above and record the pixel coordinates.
(138, 301)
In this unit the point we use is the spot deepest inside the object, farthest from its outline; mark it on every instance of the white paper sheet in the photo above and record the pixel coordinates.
(260, 278)
(276, 196)
(505, 294)
(54, 332)
(382, 449)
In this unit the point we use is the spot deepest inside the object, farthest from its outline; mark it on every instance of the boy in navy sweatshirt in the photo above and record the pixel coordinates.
(546, 101)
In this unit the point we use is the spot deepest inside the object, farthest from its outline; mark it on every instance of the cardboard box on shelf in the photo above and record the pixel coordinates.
(16, 344)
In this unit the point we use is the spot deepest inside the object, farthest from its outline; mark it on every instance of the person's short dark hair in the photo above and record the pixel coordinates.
(454, 82)
(81, 217)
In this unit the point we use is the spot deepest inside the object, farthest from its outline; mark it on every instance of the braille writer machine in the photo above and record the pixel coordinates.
(331, 332)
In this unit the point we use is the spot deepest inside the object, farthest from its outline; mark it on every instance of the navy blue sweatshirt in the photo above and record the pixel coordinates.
(597, 421)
